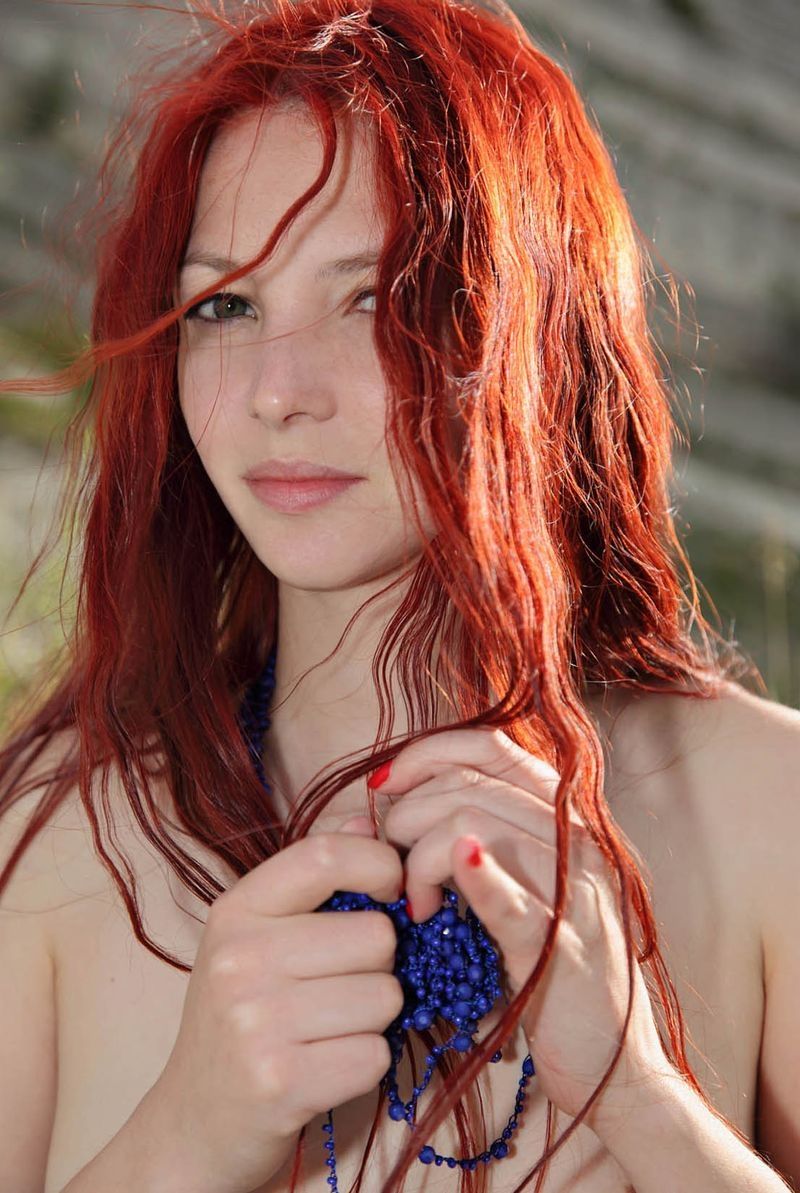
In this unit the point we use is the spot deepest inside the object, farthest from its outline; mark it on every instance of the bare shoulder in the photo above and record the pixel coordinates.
(721, 772)
(644, 727)
(59, 863)
(61, 877)
(733, 743)
(73, 892)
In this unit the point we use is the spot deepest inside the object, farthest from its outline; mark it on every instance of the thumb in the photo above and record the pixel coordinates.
(358, 825)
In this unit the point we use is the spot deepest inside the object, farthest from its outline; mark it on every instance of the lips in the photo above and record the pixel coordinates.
(294, 470)
(290, 496)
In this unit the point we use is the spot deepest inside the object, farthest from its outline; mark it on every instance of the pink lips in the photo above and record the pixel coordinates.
(289, 496)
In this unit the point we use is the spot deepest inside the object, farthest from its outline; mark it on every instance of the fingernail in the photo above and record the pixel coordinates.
(475, 856)
(379, 776)
(409, 910)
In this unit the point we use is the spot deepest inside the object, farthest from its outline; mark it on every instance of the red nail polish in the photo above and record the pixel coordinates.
(379, 776)
(409, 910)
(475, 856)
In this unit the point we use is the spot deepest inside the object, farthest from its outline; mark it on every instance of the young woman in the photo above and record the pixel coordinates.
(377, 476)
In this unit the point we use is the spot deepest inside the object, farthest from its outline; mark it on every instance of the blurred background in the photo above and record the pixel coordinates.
(698, 102)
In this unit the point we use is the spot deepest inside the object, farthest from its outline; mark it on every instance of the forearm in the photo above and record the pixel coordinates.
(668, 1139)
(149, 1155)
(139, 1159)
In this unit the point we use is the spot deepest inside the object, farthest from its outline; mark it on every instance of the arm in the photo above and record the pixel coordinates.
(129, 1161)
(143, 1157)
(670, 1140)
(778, 1104)
(28, 1068)
(29, 1039)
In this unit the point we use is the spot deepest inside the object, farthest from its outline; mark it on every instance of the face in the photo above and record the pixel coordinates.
(284, 366)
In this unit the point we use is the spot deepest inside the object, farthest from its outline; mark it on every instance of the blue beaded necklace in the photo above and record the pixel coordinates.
(446, 966)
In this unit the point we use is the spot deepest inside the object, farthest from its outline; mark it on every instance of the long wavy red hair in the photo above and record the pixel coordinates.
(513, 277)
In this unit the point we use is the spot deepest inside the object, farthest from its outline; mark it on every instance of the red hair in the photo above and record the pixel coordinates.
(512, 277)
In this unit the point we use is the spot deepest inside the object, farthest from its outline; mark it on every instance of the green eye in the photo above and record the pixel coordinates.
(373, 294)
(223, 306)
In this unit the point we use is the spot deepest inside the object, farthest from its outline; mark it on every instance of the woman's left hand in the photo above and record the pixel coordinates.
(464, 787)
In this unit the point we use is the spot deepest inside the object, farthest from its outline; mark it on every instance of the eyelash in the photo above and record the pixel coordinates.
(193, 312)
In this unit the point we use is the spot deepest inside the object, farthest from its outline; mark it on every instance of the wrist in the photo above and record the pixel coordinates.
(645, 1096)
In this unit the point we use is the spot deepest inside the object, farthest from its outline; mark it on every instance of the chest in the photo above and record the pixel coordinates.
(120, 1008)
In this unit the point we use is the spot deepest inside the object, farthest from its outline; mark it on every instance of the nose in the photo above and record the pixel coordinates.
(292, 378)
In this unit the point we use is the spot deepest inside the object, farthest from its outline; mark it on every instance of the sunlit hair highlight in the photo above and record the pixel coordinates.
(513, 280)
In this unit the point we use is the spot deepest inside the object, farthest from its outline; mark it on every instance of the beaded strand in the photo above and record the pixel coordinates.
(446, 966)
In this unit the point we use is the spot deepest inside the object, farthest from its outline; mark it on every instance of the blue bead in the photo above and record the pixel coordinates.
(447, 967)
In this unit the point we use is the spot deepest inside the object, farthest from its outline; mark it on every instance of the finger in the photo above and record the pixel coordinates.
(514, 916)
(423, 808)
(487, 750)
(528, 858)
(359, 825)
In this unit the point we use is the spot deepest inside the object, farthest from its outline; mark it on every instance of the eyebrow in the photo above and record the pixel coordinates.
(356, 263)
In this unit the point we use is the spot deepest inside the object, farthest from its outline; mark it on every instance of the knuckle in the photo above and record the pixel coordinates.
(587, 894)
(245, 1017)
(270, 1077)
(468, 819)
(467, 776)
(520, 905)
(225, 963)
(545, 773)
(322, 849)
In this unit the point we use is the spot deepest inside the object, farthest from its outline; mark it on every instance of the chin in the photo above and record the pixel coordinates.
(331, 565)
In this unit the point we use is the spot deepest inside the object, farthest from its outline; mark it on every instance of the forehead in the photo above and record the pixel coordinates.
(260, 164)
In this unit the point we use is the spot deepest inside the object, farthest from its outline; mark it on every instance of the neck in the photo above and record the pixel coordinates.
(323, 709)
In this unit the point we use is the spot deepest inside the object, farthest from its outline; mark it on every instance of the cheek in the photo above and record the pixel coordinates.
(207, 387)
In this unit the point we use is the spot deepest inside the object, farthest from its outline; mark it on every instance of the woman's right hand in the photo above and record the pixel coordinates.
(285, 1008)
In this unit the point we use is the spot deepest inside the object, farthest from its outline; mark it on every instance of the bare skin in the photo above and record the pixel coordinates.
(295, 372)
(684, 781)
